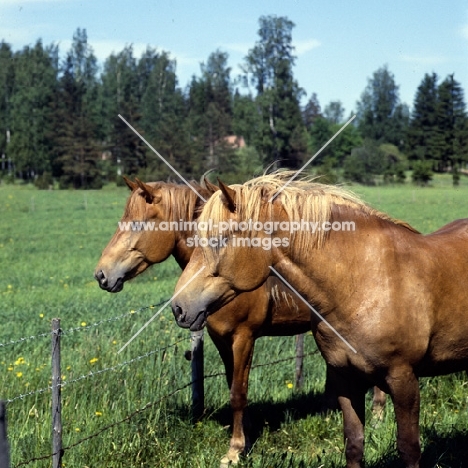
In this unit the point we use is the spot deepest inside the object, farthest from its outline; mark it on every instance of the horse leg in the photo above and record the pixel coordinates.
(330, 396)
(404, 390)
(378, 402)
(242, 349)
(236, 353)
(351, 398)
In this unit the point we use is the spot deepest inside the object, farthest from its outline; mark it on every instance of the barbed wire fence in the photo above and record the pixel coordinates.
(196, 383)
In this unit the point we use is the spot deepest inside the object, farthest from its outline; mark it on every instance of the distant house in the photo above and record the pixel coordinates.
(235, 141)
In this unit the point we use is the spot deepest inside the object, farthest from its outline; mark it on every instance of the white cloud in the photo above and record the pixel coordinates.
(306, 45)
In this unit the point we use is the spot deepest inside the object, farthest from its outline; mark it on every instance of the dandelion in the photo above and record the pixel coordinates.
(77, 429)
(93, 360)
(19, 374)
(10, 368)
(68, 367)
(19, 361)
(289, 384)
(114, 342)
(132, 311)
(41, 315)
(83, 324)
(9, 286)
(98, 413)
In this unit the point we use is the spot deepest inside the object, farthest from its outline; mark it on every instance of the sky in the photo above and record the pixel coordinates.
(338, 44)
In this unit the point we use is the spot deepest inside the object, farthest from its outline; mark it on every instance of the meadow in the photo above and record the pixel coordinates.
(50, 242)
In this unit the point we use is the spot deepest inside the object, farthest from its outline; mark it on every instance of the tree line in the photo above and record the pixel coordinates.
(59, 119)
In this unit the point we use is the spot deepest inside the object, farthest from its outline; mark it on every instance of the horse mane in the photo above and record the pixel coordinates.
(302, 199)
(180, 201)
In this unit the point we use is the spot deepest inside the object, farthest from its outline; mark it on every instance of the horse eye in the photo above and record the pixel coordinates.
(215, 274)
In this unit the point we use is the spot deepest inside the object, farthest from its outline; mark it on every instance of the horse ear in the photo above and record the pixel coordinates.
(130, 184)
(212, 188)
(148, 192)
(229, 196)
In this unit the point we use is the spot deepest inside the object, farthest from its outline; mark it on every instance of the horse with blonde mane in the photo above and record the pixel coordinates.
(391, 303)
(271, 310)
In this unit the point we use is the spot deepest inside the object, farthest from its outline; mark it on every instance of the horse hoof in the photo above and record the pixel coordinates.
(229, 460)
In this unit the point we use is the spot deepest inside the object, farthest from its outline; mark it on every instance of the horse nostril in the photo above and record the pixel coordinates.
(101, 278)
(178, 313)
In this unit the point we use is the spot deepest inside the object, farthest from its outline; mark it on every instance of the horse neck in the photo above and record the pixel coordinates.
(328, 274)
(182, 252)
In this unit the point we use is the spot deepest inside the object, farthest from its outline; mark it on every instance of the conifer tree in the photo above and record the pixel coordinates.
(77, 146)
(450, 140)
(422, 131)
(269, 67)
(381, 116)
(30, 120)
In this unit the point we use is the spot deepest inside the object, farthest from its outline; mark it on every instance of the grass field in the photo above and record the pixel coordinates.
(50, 242)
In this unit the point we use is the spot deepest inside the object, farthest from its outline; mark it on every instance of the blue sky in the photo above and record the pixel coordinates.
(339, 44)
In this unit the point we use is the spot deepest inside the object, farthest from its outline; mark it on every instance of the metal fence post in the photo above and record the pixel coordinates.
(56, 401)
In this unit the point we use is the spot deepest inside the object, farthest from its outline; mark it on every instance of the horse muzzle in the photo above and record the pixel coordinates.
(195, 321)
(113, 285)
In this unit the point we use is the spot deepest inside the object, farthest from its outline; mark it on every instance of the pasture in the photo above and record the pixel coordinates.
(50, 242)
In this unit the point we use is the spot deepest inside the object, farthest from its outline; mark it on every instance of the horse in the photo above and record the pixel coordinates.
(389, 304)
(270, 310)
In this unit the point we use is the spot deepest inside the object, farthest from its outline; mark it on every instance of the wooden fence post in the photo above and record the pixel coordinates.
(198, 389)
(56, 401)
(4, 447)
(299, 361)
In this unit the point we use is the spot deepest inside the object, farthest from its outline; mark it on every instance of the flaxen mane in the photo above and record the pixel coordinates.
(178, 199)
(302, 199)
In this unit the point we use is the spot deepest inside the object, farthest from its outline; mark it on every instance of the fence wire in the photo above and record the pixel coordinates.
(100, 371)
(85, 328)
(114, 368)
(147, 406)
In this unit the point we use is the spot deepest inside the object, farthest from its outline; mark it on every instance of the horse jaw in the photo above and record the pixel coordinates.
(207, 295)
(111, 275)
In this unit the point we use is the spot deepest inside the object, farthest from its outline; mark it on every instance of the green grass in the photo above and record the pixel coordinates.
(50, 242)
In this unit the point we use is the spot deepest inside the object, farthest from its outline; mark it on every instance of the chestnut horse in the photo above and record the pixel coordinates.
(271, 310)
(391, 303)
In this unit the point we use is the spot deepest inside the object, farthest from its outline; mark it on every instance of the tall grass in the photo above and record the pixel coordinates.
(49, 244)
